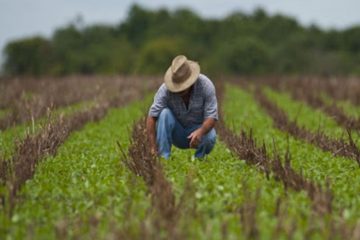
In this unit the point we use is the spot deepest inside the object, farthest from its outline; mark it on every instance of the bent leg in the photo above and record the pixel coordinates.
(164, 130)
(206, 145)
(180, 135)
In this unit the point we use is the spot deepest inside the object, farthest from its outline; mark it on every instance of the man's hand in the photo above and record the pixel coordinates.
(195, 137)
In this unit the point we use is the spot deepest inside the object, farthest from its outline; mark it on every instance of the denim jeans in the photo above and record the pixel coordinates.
(170, 132)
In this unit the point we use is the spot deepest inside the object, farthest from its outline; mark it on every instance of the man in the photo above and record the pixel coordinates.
(184, 111)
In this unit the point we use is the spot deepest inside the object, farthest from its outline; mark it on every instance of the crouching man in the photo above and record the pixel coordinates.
(184, 111)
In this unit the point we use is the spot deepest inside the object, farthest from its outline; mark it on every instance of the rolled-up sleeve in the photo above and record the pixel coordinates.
(160, 102)
(210, 105)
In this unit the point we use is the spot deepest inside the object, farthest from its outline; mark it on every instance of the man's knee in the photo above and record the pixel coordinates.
(210, 138)
(166, 117)
(207, 144)
(166, 114)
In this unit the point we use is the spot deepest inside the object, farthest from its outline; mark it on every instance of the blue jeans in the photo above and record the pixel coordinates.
(169, 131)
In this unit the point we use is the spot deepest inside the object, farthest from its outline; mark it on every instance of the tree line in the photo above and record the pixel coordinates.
(145, 42)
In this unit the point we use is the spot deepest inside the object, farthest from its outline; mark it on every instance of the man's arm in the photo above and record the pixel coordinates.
(151, 132)
(195, 136)
(208, 124)
(160, 102)
(210, 114)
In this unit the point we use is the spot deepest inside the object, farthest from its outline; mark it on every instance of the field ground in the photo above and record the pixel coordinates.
(281, 169)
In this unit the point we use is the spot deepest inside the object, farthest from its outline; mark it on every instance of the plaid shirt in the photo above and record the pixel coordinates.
(202, 104)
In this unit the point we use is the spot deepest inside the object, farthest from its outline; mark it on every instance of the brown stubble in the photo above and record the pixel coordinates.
(166, 212)
(320, 139)
(246, 148)
(307, 90)
(247, 213)
(34, 147)
(29, 99)
(338, 88)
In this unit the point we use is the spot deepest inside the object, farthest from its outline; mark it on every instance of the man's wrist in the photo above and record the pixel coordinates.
(203, 130)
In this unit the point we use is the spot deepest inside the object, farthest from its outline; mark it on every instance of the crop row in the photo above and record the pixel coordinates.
(82, 183)
(29, 99)
(320, 139)
(329, 107)
(167, 215)
(11, 135)
(314, 120)
(241, 190)
(307, 90)
(339, 89)
(247, 148)
(37, 146)
(315, 164)
(234, 200)
(15, 172)
(83, 190)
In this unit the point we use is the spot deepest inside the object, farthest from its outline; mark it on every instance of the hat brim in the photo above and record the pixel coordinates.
(178, 87)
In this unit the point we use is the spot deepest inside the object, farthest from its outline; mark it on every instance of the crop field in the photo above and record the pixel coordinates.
(75, 162)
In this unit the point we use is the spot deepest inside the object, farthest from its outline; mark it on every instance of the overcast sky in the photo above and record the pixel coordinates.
(22, 18)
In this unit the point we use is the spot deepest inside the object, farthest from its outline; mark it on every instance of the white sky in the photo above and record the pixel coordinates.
(22, 18)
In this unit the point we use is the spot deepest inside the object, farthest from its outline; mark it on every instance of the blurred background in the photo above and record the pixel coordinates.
(262, 37)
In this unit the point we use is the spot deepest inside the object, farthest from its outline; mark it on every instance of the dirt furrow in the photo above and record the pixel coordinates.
(29, 151)
(320, 139)
(167, 211)
(30, 99)
(246, 148)
(33, 148)
(298, 92)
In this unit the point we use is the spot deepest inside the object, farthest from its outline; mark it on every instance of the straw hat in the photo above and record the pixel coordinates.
(181, 74)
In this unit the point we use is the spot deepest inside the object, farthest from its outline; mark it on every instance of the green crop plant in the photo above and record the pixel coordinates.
(223, 183)
(87, 191)
(312, 119)
(349, 108)
(9, 136)
(84, 180)
(242, 112)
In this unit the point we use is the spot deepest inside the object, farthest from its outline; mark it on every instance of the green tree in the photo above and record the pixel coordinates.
(351, 40)
(136, 25)
(145, 43)
(157, 54)
(30, 56)
(244, 56)
(68, 45)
